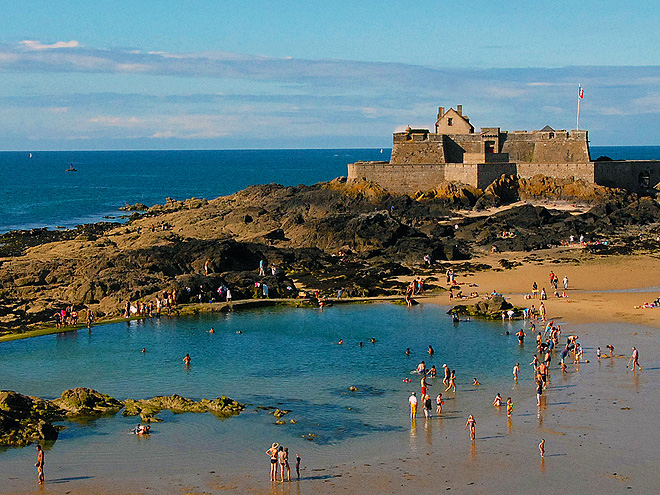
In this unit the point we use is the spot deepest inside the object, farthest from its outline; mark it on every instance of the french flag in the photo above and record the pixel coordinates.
(580, 92)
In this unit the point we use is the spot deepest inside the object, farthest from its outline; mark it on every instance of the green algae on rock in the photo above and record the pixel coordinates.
(82, 401)
(24, 419)
(147, 409)
(490, 309)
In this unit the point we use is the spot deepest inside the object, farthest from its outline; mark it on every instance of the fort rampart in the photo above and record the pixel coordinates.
(422, 160)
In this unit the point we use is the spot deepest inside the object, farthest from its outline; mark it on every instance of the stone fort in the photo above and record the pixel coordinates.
(454, 152)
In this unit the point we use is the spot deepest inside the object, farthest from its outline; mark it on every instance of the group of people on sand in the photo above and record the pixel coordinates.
(554, 284)
(65, 317)
(279, 456)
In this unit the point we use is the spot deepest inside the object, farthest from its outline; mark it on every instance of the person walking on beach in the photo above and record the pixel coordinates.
(542, 448)
(298, 466)
(272, 453)
(40, 465)
(516, 369)
(262, 272)
(413, 405)
(635, 360)
(539, 390)
(472, 424)
(439, 403)
(452, 381)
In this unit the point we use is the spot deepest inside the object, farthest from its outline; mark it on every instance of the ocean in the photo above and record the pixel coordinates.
(36, 191)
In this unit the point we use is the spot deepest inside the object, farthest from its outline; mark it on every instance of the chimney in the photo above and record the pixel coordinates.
(459, 110)
(441, 112)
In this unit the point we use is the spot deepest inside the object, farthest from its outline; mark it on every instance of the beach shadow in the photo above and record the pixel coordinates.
(66, 480)
(558, 403)
(555, 455)
(563, 386)
(490, 437)
(652, 369)
(319, 477)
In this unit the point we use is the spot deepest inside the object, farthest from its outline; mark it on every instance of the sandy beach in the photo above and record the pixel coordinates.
(601, 289)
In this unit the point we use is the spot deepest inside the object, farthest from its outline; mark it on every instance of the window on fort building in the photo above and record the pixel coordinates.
(450, 121)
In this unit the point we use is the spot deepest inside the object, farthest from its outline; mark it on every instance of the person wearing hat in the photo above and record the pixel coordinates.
(272, 452)
(413, 405)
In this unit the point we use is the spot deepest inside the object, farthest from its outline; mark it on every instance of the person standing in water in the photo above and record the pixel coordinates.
(445, 380)
(516, 369)
(40, 465)
(439, 403)
(413, 405)
(542, 447)
(186, 360)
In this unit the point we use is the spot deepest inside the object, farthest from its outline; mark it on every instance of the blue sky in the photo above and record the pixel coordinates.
(294, 74)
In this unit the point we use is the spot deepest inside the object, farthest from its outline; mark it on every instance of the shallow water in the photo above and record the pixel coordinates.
(289, 358)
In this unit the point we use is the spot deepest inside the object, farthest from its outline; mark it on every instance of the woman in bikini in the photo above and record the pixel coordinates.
(272, 452)
(472, 424)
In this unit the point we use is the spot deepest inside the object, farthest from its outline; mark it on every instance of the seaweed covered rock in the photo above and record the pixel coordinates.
(489, 309)
(149, 408)
(24, 419)
(87, 402)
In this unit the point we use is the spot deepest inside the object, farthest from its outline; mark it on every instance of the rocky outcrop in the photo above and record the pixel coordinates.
(24, 419)
(147, 409)
(488, 309)
(87, 402)
(300, 229)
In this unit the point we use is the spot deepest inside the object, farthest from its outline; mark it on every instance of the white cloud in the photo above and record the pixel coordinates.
(38, 45)
(110, 121)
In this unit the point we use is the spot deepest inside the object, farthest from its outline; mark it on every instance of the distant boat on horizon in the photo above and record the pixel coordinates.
(71, 169)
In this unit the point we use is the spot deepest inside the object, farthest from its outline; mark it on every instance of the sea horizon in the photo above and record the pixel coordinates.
(37, 193)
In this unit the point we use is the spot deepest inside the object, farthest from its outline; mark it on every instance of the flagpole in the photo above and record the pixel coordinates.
(577, 125)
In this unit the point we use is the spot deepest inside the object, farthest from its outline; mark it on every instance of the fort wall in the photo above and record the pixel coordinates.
(422, 159)
(407, 179)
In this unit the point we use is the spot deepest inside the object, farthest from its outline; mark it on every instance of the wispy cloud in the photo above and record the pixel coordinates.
(221, 96)
(37, 45)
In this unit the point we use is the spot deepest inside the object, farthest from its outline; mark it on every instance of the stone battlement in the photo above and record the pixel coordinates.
(422, 159)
